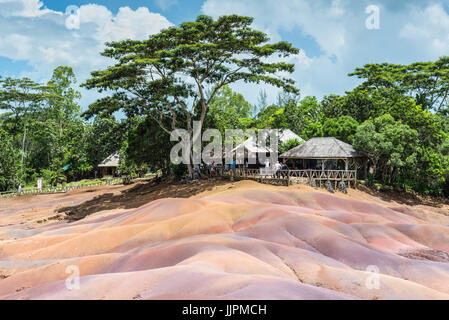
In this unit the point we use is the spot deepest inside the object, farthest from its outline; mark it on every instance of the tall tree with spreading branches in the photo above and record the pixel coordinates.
(175, 74)
(23, 98)
(427, 82)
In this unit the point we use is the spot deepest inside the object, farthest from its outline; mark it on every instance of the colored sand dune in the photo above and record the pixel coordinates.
(254, 243)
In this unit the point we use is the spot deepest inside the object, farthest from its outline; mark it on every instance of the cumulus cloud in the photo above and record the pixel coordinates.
(414, 30)
(321, 19)
(430, 28)
(24, 8)
(410, 31)
(30, 32)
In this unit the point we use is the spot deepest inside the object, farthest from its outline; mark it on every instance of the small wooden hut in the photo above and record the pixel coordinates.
(108, 167)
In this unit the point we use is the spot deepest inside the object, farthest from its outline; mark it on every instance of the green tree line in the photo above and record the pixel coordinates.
(398, 116)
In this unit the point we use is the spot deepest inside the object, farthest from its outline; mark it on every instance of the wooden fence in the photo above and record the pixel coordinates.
(62, 189)
(289, 177)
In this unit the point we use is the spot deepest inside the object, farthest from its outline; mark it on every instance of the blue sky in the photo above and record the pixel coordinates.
(331, 34)
(175, 11)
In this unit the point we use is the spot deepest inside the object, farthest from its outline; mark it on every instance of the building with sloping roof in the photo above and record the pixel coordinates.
(108, 167)
(322, 148)
(250, 145)
(323, 153)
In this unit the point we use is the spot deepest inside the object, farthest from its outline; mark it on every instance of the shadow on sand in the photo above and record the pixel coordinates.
(406, 198)
(137, 196)
(144, 193)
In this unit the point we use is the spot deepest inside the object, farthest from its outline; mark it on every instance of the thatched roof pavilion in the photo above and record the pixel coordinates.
(322, 150)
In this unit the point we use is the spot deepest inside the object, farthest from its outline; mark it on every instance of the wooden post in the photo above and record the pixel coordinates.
(288, 178)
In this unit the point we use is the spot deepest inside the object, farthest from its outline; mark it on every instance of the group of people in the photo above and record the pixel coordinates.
(277, 168)
(233, 165)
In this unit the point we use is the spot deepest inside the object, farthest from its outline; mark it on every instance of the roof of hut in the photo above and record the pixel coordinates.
(250, 144)
(322, 148)
(111, 161)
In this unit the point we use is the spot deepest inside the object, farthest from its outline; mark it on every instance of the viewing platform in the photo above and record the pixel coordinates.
(312, 177)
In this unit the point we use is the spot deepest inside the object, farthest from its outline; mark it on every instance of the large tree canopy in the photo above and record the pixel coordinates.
(10, 166)
(229, 110)
(23, 98)
(390, 145)
(176, 73)
(427, 82)
(342, 128)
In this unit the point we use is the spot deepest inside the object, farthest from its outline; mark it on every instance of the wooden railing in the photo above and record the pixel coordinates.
(287, 176)
(332, 175)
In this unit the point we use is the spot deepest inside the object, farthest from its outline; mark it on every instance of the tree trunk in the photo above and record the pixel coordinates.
(194, 168)
(23, 140)
(190, 169)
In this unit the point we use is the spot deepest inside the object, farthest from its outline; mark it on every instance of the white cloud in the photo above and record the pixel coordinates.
(410, 31)
(323, 21)
(166, 4)
(39, 36)
(23, 8)
(127, 24)
(430, 27)
(320, 19)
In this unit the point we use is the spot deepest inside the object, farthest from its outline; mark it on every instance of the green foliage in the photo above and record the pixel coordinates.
(262, 103)
(229, 110)
(391, 146)
(63, 104)
(303, 116)
(288, 145)
(426, 82)
(23, 98)
(399, 115)
(172, 67)
(179, 170)
(104, 136)
(44, 122)
(10, 163)
(53, 178)
(408, 94)
(358, 104)
(147, 147)
(342, 128)
(271, 117)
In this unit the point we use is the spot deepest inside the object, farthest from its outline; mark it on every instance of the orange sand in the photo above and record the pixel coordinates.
(237, 241)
